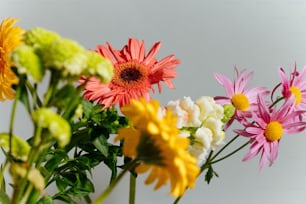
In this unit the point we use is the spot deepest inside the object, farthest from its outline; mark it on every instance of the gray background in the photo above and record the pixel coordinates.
(207, 36)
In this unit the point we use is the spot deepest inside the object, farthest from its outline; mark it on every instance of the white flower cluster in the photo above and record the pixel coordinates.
(201, 122)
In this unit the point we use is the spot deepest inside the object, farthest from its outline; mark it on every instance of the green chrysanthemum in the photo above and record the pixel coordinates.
(66, 55)
(27, 62)
(99, 66)
(20, 148)
(40, 38)
(33, 175)
(58, 127)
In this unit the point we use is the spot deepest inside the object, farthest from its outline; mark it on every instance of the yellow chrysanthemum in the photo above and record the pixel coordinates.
(10, 38)
(154, 140)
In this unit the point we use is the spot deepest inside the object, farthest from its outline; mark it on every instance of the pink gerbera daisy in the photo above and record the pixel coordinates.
(295, 85)
(268, 128)
(239, 95)
(134, 74)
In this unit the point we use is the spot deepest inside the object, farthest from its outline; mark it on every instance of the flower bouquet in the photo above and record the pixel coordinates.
(96, 109)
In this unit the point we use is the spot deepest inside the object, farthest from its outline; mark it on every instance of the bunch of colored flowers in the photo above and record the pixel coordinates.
(75, 118)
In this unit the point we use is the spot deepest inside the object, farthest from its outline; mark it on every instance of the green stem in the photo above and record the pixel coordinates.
(230, 154)
(114, 183)
(55, 77)
(12, 119)
(26, 195)
(3, 167)
(36, 99)
(207, 162)
(224, 147)
(132, 189)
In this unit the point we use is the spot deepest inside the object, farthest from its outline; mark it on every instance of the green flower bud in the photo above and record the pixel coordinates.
(229, 111)
(79, 111)
(67, 56)
(40, 38)
(33, 175)
(99, 66)
(58, 127)
(20, 148)
(27, 62)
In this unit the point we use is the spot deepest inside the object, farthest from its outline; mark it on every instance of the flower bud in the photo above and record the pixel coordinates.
(58, 127)
(229, 111)
(99, 66)
(33, 175)
(40, 38)
(20, 148)
(27, 62)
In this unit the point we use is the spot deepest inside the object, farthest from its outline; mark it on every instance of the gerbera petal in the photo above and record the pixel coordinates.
(141, 51)
(134, 48)
(151, 54)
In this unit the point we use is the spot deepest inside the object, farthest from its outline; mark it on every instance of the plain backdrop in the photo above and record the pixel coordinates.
(207, 36)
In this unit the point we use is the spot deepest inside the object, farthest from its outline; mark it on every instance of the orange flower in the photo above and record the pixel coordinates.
(10, 38)
(135, 73)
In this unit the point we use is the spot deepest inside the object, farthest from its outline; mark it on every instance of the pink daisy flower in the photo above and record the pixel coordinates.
(268, 128)
(135, 73)
(239, 95)
(296, 86)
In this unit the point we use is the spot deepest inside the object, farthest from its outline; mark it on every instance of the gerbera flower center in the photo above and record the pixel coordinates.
(130, 74)
(297, 94)
(241, 102)
(273, 131)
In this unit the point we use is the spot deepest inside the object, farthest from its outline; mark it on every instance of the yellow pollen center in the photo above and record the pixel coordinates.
(273, 131)
(297, 94)
(241, 102)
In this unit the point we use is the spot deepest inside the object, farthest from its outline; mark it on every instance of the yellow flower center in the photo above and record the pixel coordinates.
(241, 102)
(297, 94)
(273, 131)
(130, 74)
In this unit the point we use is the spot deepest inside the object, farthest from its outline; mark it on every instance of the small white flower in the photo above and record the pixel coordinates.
(209, 108)
(175, 108)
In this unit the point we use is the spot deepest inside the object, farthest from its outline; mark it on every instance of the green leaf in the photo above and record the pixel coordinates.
(102, 145)
(209, 175)
(45, 200)
(54, 159)
(63, 197)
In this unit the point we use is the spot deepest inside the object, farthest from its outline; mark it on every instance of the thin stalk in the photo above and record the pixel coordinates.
(26, 195)
(2, 174)
(36, 99)
(230, 154)
(51, 88)
(224, 147)
(12, 119)
(132, 192)
(114, 183)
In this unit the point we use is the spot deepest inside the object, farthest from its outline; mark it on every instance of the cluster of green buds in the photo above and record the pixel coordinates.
(44, 49)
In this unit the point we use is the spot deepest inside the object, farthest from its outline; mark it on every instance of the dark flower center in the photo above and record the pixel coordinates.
(130, 74)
